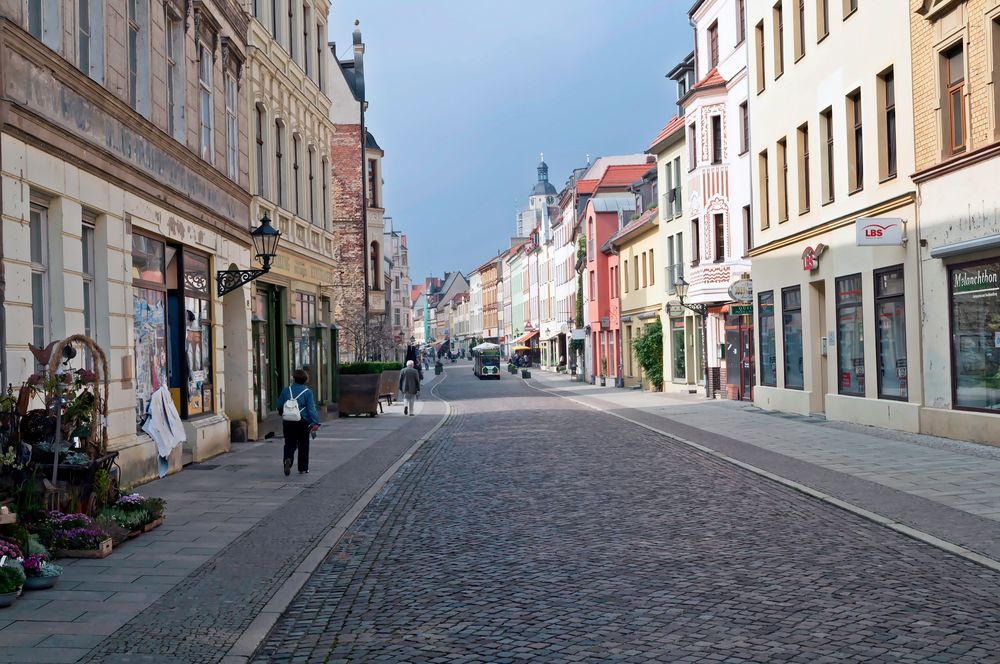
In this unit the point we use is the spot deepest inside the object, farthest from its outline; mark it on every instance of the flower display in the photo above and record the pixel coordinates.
(37, 566)
(9, 549)
(131, 500)
(85, 538)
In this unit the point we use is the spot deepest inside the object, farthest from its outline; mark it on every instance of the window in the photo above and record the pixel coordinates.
(652, 270)
(44, 23)
(319, 56)
(887, 151)
(713, 45)
(275, 21)
(890, 332)
(692, 147)
(279, 163)
(635, 274)
(747, 231)
(205, 102)
(741, 21)
(716, 139)
(695, 242)
(593, 286)
(826, 125)
(768, 356)
(197, 334)
(297, 194)
(856, 145)
(626, 276)
(954, 107)
(149, 304)
(804, 177)
(376, 262)
(232, 134)
(759, 56)
(38, 220)
(306, 43)
(791, 337)
(799, 35)
(260, 151)
(822, 19)
(850, 6)
(744, 128)
(719, 233)
(138, 55)
(175, 77)
(994, 29)
(324, 203)
(312, 186)
(850, 337)
(373, 183)
(291, 29)
(88, 274)
(782, 180)
(764, 177)
(779, 40)
(90, 38)
(645, 271)
(975, 322)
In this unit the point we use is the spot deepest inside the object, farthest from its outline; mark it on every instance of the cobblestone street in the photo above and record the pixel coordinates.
(530, 528)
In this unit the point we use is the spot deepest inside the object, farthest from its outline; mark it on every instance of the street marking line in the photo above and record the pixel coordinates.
(248, 642)
(892, 524)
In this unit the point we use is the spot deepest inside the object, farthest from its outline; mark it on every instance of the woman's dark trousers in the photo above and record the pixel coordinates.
(297, 438)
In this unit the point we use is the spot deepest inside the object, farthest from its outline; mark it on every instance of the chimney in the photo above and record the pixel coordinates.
(359, 60)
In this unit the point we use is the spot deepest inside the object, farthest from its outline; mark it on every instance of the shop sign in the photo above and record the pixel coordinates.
(675, 310)
(979, 281)
(879, 231)
(810, 257)
(579, 334)
(741, 310)
(741, 290)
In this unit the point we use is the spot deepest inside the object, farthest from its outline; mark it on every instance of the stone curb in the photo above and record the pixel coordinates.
(250, 640)
(875, 517)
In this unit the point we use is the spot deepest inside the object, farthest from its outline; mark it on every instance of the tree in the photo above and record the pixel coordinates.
(648, 347)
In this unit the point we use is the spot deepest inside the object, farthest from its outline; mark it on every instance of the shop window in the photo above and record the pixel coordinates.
(765, 323)
(302, 338)
(791, 337)
(850, 336)
(38, 221)
(975, 321)
(678, 354)
(890, 330)
(197, 334)
(149, 304)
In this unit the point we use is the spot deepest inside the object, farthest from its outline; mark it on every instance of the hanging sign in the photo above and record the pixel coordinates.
(741, 290)
(879, 231)
(741, 310)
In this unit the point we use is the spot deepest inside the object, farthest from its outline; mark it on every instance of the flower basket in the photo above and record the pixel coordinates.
(103, 550)
(40, 582)
(152, 525)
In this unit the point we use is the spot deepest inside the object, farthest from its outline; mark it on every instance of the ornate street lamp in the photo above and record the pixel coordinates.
(681, 288)
(265, 243)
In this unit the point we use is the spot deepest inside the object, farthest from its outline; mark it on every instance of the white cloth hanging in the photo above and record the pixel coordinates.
(164, 424)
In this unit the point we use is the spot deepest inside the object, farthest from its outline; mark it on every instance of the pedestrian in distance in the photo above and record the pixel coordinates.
(409, 385)
(299, 420)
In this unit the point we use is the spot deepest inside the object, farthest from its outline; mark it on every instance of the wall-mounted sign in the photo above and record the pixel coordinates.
(675, 310)
(879, 231)
(741, 290)
(810, 257)
(741, 310)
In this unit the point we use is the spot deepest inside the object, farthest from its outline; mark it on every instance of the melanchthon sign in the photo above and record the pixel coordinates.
(980, 280)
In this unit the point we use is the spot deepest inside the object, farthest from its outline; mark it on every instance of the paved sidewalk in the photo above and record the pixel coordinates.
(235, 529)
(948, 488)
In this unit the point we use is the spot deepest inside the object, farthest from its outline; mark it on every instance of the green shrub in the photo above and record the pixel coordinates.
(360, 368)
(649, 352)
(11, 578)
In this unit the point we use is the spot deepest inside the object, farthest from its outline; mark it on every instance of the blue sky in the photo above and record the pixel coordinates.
(465, 94)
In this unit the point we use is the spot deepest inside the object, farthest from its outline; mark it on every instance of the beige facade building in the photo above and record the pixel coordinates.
(125, 187)
(288, 99)
(956, 93)
(835, 256)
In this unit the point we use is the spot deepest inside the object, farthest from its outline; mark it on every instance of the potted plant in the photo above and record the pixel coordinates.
(76, 536)
(358, 387)
(40, 574)
(11, 580)
(134, 513)
(604, 371)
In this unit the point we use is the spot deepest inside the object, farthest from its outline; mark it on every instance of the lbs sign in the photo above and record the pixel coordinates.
(882, 231)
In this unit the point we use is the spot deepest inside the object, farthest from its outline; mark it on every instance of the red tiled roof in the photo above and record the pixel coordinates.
(675, 124)
(712, 79)
(416, 291)
(622, 176)
(586, 186)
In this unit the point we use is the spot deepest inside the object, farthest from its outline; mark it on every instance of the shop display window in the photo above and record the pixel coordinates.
(149, 304)
(791, 333)
(890, 328)
(975, 333)
(768, 347)
(850, 336)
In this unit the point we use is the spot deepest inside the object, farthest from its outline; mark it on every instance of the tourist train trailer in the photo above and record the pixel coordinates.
(486, 361)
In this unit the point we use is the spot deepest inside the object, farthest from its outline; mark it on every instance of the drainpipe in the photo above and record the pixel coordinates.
(359, 72)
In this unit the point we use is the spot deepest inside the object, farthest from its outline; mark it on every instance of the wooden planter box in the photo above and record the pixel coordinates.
(358, 394)
(102, 551)
(8, 518)
(152, 525)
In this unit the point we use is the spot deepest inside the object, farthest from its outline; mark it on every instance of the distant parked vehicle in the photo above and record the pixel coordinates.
(486, 361)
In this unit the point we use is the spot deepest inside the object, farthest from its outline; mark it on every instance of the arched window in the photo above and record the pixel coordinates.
(376, 263)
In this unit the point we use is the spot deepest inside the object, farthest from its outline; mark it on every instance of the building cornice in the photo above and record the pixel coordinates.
(957, 163)
(908, 198)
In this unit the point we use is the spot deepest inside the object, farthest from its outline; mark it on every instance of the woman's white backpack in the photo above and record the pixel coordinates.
(291, 411)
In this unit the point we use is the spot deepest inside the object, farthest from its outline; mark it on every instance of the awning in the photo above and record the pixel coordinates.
(966, 247)
(525, 338)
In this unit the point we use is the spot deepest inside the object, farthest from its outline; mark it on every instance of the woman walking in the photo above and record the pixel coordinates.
(297, 406)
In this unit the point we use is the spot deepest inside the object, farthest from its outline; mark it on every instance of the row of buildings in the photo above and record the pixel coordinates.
(140, 142)
(816, 228)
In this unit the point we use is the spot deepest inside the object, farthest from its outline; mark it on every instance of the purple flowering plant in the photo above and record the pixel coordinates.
(37, 566)
(9, 549)
(130, 500)
(85, 538)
